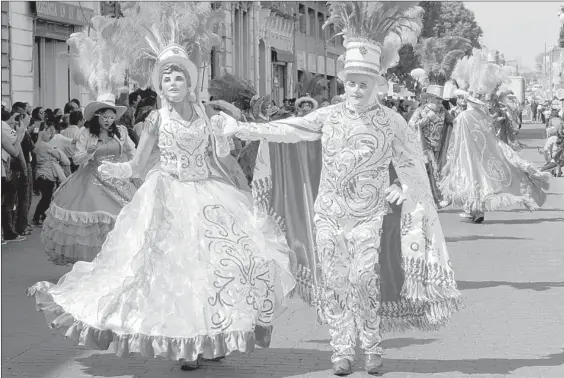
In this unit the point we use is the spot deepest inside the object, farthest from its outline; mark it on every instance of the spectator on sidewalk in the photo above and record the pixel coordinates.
(11, 150)
(70, 107)
(75, 100)
(47, 175)
(128, 119)
(22, 172)
(76, 121)
(64, 145)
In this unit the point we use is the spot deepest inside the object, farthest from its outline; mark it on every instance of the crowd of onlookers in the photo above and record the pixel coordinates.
(38, 145)
(38, 148)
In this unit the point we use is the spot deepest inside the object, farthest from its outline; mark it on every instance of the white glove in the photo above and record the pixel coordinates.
(231, 126)
(395, 193)
(117, 170)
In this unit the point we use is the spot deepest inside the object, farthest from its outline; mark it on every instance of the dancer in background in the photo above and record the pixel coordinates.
(84, 208)
(360, 286)
(188, 271)
(482, 172)
(438, 57)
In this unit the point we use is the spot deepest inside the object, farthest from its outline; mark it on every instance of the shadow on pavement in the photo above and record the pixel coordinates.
(522, 210)
(487, 366)
(271, 362)
(536, 286)
(523, 221)
(281, 363)
(541, 210)
(455, 239)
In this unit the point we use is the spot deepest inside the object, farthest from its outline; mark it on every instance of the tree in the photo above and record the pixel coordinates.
(441, 19)
(432, 14)
(457, 20)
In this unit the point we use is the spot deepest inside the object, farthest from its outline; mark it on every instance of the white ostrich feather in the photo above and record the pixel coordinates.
(94, 60)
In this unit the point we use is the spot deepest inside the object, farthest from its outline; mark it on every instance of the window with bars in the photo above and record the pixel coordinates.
(320, 22)
(312, 28)
(302, 16)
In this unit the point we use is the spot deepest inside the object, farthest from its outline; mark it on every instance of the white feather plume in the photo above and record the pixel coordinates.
(95, 60)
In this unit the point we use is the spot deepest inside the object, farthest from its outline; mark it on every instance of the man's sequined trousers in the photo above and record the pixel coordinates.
(348, 252)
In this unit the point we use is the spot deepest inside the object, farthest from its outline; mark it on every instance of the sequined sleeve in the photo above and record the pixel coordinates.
(128, 145)
(289, 130)
(222, 146)
(84, 139)
(152, 122)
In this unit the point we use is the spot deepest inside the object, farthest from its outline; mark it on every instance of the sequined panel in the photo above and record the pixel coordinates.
(356, 156)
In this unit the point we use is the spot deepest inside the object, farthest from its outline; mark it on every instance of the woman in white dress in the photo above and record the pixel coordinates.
(188, 271)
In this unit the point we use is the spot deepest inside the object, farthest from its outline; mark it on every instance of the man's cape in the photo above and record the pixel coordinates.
(418, 290)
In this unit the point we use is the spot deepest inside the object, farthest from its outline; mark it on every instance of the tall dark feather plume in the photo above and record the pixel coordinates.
(439, 56)
(232, 89)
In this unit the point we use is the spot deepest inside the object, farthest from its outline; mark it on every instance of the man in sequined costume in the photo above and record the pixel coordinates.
(362, 141)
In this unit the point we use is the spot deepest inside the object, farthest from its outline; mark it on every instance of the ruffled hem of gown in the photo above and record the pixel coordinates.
(71, 236)
(80, 217)
(170, 348)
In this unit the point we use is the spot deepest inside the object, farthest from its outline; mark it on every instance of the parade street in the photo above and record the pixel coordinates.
(510, 270)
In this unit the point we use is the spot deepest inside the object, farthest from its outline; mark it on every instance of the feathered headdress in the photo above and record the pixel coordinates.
(147, 28)
(313, 84)
(96, 61)
(439, 56)
(239, 92)
(479, 76)
(232, 89)
(373, 33)
(460, 74)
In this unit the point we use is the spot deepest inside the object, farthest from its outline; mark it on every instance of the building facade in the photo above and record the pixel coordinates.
(291, 32)
(269, 44)
(34, 35)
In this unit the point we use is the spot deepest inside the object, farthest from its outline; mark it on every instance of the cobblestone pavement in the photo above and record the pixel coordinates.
(510, 269)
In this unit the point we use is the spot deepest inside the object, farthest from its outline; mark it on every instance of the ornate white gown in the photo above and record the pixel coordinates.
(188, 269)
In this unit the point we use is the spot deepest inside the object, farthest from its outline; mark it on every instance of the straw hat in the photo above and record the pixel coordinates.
(103, 101)
(307, 98)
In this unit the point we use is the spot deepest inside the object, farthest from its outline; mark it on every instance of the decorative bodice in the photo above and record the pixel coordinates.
(357, 151)
(183, 148)
(113, 155)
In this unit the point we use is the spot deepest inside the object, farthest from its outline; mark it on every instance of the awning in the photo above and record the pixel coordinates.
(283, 56)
